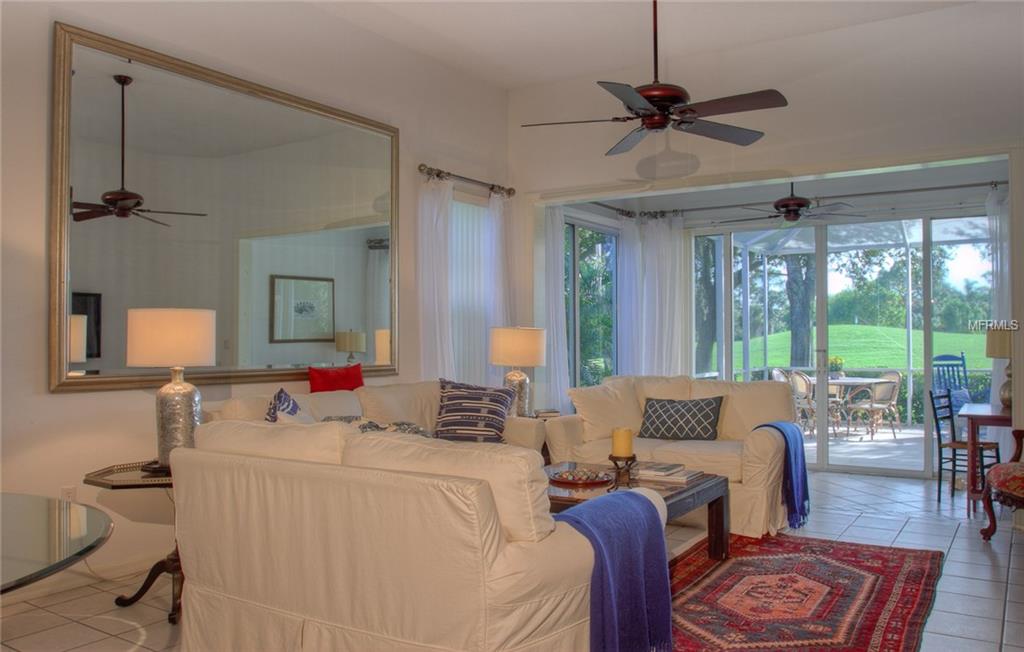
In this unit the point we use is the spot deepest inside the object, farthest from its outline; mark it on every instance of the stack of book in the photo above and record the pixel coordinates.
(665, 471)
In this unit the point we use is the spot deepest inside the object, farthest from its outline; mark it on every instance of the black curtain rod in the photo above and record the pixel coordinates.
(624, 212)
(444, 174)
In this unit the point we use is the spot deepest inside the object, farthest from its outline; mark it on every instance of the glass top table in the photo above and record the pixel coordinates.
(42, 536)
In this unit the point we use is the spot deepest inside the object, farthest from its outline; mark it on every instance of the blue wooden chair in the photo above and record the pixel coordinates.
(949, 372)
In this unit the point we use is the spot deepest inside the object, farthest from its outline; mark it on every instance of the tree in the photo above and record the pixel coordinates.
(800, 292)
(705, 303)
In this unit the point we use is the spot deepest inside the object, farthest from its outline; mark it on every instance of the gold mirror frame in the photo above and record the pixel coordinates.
(67, 36)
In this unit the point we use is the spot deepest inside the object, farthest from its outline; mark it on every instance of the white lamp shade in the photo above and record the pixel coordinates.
(518, 347)
(351, 341)
(998, 343)
(172, 337)
(77, 330)
(382, 346)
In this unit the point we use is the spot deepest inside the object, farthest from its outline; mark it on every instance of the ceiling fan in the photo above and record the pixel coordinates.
(121, 202)
(658, 106)
(794, 207)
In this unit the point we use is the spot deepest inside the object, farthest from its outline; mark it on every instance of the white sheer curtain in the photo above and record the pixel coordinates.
(997, 206)
(650, 297)
(437, 357)
(378, 296)
(478, 287)
(554, 300)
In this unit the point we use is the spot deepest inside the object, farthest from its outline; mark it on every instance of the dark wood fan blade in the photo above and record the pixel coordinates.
(748, 219)
(824, 208)
(634, 101)
(628, 142)
(719, 131)
(581, 122)
(85, 204)
(767, 99)
(149, 210)
(91, 215)
(150, 219)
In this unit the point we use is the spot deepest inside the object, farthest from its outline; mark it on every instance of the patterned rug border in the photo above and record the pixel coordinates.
(691, 568)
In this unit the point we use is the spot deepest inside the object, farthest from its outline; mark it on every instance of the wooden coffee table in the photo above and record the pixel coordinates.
(680, 498)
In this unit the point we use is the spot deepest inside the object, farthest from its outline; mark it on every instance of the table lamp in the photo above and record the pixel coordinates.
(382, 346)
(351, 341)
(518, 347)
(999, 344)
(175, 338)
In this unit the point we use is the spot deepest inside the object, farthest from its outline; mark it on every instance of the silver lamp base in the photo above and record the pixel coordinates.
(1006, 391)
(517, 380)
(178, 408)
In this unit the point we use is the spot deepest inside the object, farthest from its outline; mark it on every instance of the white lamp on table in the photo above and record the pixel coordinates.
(175, 338)
(519, 347)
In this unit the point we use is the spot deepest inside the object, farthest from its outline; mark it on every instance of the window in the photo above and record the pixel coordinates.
(590, 303)
(468, 296)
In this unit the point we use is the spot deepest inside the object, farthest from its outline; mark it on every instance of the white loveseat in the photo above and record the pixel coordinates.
(751, 457)
(373, 542)
(412, 402)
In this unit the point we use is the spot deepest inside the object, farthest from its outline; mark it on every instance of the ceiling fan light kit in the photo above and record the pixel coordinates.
(659, 106)
(121, 202)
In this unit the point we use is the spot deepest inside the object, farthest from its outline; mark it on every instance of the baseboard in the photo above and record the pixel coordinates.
(77, 576)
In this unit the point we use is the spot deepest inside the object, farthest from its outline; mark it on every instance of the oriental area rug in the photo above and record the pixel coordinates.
(792, 593)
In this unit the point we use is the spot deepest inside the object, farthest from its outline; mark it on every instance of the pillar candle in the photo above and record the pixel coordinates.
(622, 442)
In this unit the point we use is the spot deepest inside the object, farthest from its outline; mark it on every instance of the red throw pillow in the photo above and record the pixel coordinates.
(332, 379)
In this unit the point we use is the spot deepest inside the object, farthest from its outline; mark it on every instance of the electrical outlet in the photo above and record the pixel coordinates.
(68, 494)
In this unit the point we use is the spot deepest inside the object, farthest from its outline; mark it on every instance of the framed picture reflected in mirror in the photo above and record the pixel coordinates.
(301, 309)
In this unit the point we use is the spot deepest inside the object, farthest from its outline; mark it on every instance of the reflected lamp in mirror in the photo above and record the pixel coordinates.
(999, 344)
(350, 341)
(174, 338)
(382, 346)
(78, 327)
(517, 347)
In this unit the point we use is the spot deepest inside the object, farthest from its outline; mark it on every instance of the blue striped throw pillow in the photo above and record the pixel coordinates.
(473, 413)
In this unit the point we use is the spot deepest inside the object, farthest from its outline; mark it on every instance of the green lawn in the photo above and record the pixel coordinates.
(869, 347)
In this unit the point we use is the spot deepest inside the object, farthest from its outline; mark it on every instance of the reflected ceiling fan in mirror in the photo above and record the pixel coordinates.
(121, 202)
(659, 106)
(793, 208)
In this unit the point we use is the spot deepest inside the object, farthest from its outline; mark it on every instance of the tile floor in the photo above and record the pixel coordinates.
(979, 606)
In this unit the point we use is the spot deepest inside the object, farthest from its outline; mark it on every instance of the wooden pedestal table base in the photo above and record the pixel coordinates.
(171, 565)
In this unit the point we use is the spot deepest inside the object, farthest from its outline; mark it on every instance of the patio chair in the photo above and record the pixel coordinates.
(803, 399)
(949, 371)
(779, 374)
(953, 451)
(877, 403)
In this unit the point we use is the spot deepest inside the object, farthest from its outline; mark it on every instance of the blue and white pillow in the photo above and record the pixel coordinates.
(696, 419)
(285, 409)
(473, 413)
(366, 425)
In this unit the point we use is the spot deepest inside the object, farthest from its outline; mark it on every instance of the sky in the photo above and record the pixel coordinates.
(967, 264)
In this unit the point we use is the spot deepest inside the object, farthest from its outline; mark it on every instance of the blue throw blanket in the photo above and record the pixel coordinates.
(630, 598)
(794, 474)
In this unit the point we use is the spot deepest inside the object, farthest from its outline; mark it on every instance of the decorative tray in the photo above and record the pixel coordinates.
(580, 478)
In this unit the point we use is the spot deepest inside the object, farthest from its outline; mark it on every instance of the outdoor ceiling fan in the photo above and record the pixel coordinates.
(121, 202)
(793, 208)
(659, 106)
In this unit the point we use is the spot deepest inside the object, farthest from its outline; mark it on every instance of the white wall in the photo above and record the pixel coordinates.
(445, 118)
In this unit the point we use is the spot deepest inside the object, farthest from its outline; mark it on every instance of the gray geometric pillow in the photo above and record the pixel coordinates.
(696, 419)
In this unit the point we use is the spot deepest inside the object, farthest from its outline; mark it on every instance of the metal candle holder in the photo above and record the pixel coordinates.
(623, 471)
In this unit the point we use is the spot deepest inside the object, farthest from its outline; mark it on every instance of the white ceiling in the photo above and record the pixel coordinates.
(946, 202)
(170, 114)
(516, 44)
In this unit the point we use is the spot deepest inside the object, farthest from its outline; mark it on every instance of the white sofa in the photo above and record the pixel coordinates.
(751, 457)
(412, 402)
(373, 542)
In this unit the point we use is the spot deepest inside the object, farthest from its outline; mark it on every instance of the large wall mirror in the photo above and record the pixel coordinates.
(175, 186)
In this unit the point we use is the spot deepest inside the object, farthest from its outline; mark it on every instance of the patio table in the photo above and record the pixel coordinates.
(848, 383)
